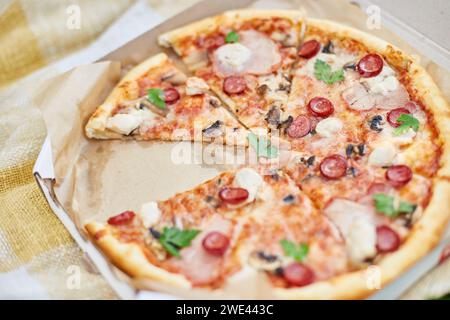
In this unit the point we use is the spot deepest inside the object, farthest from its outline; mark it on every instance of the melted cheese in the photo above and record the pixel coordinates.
(382, 155)
(250, 180)
(123, 123)
(233, 56)
(150, 214)
(361, 240)
(329, 127)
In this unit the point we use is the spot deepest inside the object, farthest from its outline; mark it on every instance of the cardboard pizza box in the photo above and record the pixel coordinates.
(66, 185)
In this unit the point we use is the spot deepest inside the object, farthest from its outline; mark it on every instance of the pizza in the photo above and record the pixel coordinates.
(157, 101)
(353, 173)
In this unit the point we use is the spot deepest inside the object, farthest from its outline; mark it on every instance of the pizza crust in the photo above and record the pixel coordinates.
(425, 234)
(96, 126)
(172, 38)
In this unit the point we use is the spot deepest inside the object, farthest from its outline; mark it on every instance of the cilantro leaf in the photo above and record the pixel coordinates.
(407, 121)
(173, 239)
(322, 71)
(232, 37)
(262, 146)
(299, 252)
(385, 204)
(156, 97)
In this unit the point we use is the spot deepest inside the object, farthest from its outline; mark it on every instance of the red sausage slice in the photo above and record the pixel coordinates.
(300, 127)
(215, 243)
(234, 85)
(333, 167)
(398, 175)
(309, 49)
(320, 107)
(123, 218)
(214, 42)
(171, 95)
(387, 239)
(370, 65)
(299, 275)
(233, 195)
(393, 115)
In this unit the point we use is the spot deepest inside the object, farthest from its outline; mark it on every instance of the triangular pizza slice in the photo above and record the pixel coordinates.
(157, 101)
(246, 57)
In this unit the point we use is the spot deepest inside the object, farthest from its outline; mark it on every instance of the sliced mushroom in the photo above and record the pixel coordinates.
(328, 48)
(214, 130)
(273, 117)
(264, 261)
(175, 77)
(350, 65)
(147, 104)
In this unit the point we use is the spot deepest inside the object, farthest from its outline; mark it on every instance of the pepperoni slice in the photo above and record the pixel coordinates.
(393, 115)
(213, 42)
(123, 218)
(298, 274)
(215, 243)
(387, 239)
(398, 175)
(234, 85)
(445, 254)
(370, 65)
(233, 195)
(309, 49)
(171, 95)
(320, 107)
(333, 167)
(300, 127)
(378, 187)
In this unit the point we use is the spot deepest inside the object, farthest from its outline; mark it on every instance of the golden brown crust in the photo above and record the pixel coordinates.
(172, 38)
(130, 258)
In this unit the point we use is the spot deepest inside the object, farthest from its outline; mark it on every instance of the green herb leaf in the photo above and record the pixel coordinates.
(232, 37)
(262, 146)
(299, 252)
(173, 239)
(407, 121)
(322, 71)
(156, 97)
(385, 204)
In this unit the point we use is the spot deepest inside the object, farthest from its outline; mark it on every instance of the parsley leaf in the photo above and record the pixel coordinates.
(172, 239)
(322, 71)
(156, 97)
(262, 146)
(407, 121)
(299, 252)
(232, 37)
(385, 204)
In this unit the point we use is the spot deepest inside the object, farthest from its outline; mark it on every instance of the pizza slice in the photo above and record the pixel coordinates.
(156, 101)
(227, 232)
(246, 57)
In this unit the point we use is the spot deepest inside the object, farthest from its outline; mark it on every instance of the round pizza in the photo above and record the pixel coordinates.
(352, 180)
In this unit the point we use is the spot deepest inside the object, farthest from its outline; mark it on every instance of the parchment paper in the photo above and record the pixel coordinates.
(97, 179)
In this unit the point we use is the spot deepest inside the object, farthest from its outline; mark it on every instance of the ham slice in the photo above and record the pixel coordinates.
(195, 263)
(359, 97)
(255, 53)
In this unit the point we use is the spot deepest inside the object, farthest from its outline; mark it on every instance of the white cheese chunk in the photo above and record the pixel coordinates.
(195, 86)
(233, 56)
(384, 83)
(250, 180)
(123, 123)
(150, 214)
(382, 155)
(361, 240)
(329, 127)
